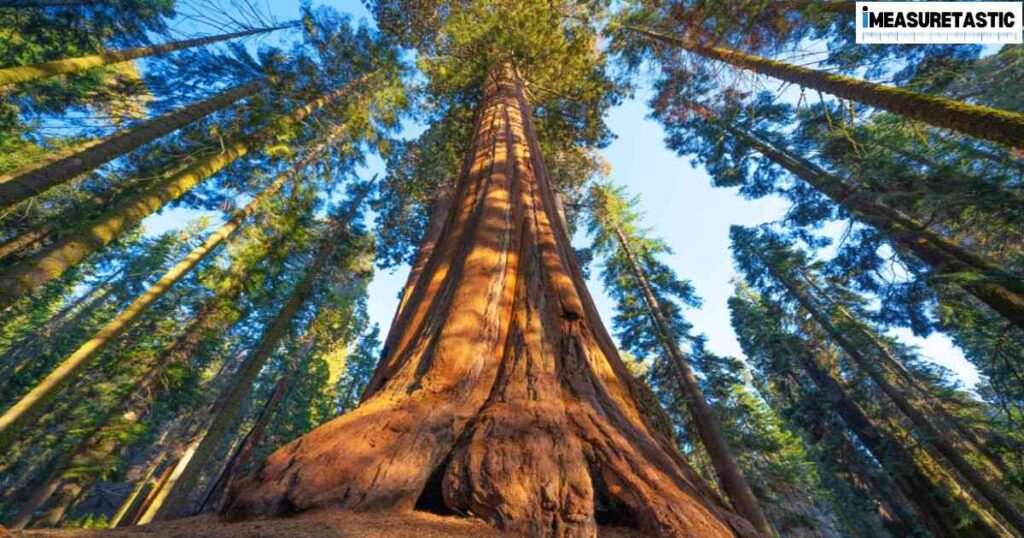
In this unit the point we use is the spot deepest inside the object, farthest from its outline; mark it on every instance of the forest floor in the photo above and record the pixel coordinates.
(320, 524)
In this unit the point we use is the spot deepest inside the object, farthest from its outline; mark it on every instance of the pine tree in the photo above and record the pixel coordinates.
(28, 183)
(15, 75)
(776, 262)
(32, 404)
(70, 250)
(1002, 126)
(182, 482)
(614, 218)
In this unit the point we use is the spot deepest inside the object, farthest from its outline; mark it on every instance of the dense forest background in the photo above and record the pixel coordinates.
(203, 204)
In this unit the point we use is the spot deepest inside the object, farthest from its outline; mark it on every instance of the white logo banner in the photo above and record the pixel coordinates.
(924, 23)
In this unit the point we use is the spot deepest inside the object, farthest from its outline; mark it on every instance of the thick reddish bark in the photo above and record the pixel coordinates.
(501, 394)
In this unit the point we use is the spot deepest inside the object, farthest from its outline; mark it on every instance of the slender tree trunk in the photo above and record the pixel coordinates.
(243, 453)
(868, 478)
(19, 356)
(25, 73)
(35, 235)
(174, 501)
(145, 484)
(101, 442)
(38, 180)
(930, 434)
(991, 459)
(983, 122)
(729, 474)
(67, 495)
(183, 440)
(935, 511)
(50, 263)
(50, 159)
(155, 492)
(50, 3)
(28, 409)
(996, 287)
(25, 242)
(502, 395)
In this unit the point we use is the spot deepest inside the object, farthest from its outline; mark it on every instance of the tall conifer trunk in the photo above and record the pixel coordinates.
(991, 283)
(25, 73)
(39, 179)
(729, 474)
(501, 394)
(987, 123)
(983, 489)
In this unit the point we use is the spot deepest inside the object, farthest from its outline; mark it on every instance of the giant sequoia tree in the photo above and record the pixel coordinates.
(502, 382)
(150, 375)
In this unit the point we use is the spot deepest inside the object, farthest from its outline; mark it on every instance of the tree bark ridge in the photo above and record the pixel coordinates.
(500, 379)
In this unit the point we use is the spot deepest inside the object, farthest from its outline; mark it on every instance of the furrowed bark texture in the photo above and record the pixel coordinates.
(501, 394)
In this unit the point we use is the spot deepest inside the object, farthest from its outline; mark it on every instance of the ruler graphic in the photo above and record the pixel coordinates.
(924, 23)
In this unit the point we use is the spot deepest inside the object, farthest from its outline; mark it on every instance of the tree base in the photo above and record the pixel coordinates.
(499, 394)
(318, 524)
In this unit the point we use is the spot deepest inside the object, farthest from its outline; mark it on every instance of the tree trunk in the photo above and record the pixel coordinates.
(65, 497)
(729, 474)
(50, 263)
(868, 478)
(51, 158)
(182, 434)
(97, 445)
(999, 289)
(50, 3)
(435, 229)
(991, 459)
(503, 395)
(20, 354)
(155, 492)
(929, 434)
(28, 409)
(38, 180)
(33, 236)
(241, 455)
(131, 503)
(900, 465)
(983, 122)
(25, 73)
(174, 501)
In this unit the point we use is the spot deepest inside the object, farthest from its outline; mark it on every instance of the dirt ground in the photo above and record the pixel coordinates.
(322, 524)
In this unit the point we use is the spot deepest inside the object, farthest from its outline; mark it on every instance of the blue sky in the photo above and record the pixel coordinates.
(678, 202)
